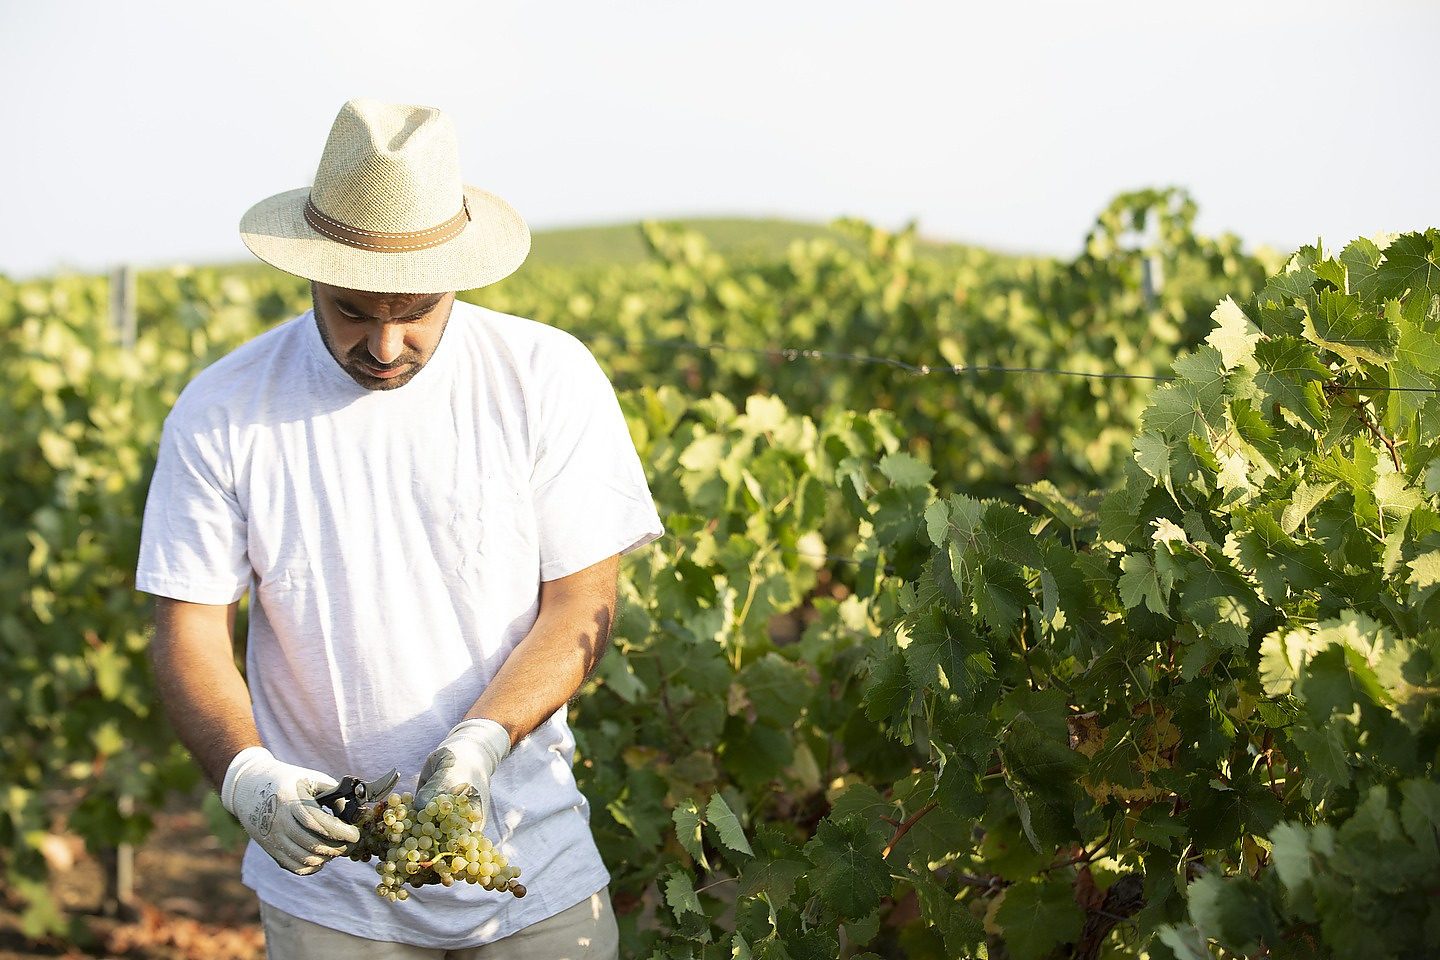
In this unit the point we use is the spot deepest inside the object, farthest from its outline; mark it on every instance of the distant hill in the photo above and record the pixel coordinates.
(622, 243)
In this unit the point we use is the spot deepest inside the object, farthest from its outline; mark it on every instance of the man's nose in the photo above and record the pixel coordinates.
(387, 342)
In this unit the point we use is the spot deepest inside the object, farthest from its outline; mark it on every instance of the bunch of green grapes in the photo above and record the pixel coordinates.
(439, 843)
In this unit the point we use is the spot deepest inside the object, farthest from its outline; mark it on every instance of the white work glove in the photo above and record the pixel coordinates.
(465, 759)
(275, 803)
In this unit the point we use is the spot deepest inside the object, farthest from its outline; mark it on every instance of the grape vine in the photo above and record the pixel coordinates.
(1053, 667)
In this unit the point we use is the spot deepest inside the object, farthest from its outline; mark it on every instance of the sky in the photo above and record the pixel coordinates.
(139, 132)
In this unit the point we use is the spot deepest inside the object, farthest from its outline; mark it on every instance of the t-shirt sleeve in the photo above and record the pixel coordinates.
(193, 536)
(588, 488)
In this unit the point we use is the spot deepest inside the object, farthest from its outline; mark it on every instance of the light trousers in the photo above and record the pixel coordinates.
(585, 931)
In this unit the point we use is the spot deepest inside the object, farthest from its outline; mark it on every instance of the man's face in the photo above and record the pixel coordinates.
(380, 339)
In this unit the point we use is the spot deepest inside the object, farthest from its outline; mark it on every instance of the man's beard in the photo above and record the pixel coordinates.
(359, 359)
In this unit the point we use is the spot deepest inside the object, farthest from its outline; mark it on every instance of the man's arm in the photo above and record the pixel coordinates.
(209, 707)
(547, 667)
(199, 685)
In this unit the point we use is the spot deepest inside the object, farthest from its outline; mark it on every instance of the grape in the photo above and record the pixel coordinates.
(440, 843)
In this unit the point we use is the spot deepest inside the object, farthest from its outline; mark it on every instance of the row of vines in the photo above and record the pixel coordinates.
(929, 664)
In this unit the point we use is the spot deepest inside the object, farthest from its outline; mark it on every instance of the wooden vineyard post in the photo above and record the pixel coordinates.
(122, 304)
(1152, 277)
(119, 862)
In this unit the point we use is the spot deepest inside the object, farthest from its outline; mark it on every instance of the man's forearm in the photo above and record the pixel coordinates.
(562, 648)
(199, 685)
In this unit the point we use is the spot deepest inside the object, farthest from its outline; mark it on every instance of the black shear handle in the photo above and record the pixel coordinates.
(346, 799)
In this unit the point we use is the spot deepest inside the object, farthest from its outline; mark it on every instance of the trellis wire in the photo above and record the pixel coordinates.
(792, 354)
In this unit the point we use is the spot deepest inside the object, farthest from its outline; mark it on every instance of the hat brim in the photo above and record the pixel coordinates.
(491, 247)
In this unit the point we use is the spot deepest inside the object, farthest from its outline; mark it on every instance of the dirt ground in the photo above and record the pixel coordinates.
(191, 902)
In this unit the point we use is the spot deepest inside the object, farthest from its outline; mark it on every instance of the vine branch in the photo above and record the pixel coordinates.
(904, 828)
(1084, 856)
(1267, 749)
(716, 883)
(1390, 444)
(983, 883)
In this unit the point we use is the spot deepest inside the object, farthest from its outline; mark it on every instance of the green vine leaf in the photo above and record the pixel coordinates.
(851, 877)
(687, 830)
(727, 825)
(1037, 917)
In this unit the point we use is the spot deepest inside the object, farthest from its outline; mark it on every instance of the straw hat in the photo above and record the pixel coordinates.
(388, 211)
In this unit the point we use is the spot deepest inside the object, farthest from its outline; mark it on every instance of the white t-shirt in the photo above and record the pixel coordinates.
(394, 543)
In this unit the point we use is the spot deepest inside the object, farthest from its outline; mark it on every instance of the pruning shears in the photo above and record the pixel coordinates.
(348, 797)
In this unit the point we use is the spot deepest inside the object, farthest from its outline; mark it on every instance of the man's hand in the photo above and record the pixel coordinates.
(275, 803)
(466, 758)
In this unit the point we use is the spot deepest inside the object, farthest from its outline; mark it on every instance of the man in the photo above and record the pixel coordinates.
(427, 501)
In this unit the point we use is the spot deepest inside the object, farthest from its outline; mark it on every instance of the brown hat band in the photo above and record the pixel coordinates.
(382, 242)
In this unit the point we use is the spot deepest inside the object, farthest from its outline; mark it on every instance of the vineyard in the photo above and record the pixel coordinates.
(1008, 607)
